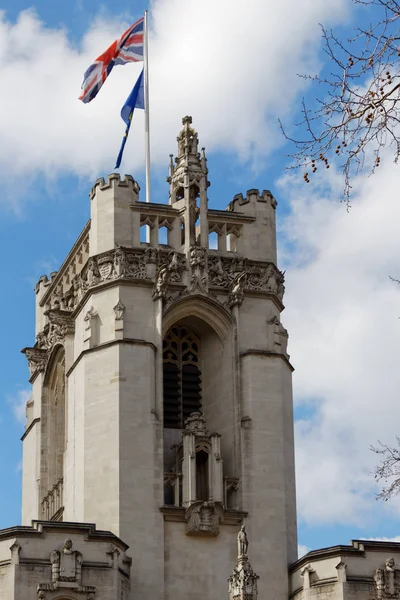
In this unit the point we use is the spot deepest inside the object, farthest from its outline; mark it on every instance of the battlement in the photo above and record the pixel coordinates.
(252, 196)
(115, 180)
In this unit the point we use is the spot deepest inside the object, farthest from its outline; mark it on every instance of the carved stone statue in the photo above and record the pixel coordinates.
(67, 564)
(236, 295)
(161, 284)
(390, 576)
(119, 262)
(387, 580)
(243, 542)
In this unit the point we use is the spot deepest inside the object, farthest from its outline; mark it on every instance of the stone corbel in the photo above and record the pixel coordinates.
(307, 574)
(277, 336)
(37, 359)
(341, 572)
(15, 549)
(119, 311)
(90, 328)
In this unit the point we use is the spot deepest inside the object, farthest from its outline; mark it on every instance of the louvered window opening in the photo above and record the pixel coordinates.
(182, 376)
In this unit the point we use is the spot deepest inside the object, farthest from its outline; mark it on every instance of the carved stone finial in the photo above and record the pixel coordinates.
(196, 424)
(243, 581)
(187, 120)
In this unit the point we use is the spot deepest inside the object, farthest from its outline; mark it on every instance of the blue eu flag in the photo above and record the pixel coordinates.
(134, 100)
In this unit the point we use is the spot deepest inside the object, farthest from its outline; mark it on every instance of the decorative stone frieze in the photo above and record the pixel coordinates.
(204, 272)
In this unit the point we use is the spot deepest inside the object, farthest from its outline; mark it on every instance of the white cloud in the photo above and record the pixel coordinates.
(18, 404)
(343, 319)
(232, 65)
(302, 550)
(382, 539)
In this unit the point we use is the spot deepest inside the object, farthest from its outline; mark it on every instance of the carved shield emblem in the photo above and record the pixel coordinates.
(105, 269)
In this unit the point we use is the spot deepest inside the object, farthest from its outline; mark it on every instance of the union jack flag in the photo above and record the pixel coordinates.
(128, 48)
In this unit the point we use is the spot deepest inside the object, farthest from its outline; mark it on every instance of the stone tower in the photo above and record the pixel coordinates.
(162, 392)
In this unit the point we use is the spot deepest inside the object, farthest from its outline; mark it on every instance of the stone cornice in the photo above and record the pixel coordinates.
(129, 341)
(39, 528)
(30, 427)
(222, 216)
(177, 515)
(260, 352)
(357, 548)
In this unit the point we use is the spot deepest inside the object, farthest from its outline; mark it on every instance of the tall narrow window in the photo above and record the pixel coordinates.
(182, 376)
(53, 439)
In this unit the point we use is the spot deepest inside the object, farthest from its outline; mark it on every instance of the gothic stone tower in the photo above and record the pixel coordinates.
(162, 393)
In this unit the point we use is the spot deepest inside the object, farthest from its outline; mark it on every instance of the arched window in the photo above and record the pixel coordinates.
(182, 376)
(53, 439)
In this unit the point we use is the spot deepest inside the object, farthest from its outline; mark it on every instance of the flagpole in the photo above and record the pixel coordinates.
(146, 106)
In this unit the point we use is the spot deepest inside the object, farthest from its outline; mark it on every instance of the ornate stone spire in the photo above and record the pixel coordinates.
(243, 581)
(188, 182)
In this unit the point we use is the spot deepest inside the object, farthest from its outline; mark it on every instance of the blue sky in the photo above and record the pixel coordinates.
(341, 309)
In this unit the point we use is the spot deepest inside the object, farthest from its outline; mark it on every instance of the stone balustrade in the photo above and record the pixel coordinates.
(52, 503)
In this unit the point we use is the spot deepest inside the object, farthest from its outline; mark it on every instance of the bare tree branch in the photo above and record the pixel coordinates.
(388, 471)
(360, 109)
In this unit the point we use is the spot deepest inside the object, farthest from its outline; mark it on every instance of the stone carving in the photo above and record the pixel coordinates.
(259, 278)
(37, 359)
(277, 335)
(119, 310)
(243, 581)
(243, 542)
(92, 272)
(198, 265)
(196, 424)
(105, 266)
(266, 279)
(60, 324)
(67, 564)
(217, 276)
(162, 280)
(66, 572)
(236, 294)
(202, 518)
(176, 264)
(387, 580)
(119, 262)
(197, 257)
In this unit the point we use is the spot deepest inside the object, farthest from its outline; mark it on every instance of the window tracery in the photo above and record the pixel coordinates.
(181, 376)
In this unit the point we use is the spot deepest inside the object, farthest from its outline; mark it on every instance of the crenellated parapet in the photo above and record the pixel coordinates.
(252, 196)
(115, 180)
